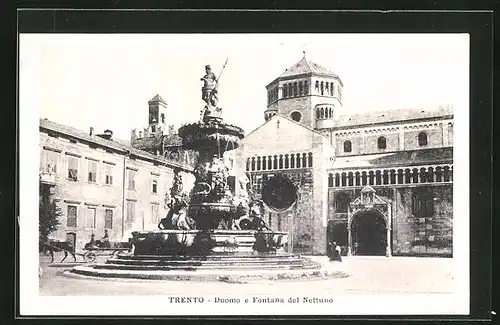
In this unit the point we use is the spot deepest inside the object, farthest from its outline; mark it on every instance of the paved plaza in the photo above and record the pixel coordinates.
(367, 275)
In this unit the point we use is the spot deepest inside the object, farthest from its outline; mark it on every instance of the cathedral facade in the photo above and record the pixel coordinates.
(378, 183)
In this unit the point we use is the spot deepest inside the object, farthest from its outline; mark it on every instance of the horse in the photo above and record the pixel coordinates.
(52, 246)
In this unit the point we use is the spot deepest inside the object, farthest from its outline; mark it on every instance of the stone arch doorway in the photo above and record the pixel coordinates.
(369, 235)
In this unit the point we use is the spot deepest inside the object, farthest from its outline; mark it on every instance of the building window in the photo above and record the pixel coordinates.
(285, 91)
(130, 211)
(108, 170)
(155, 213)
(71, 222)
(316, 86)
(290, 91)
(332, 89)
(108, 219)
(306, 87)
(49, 161)
(131, 179)
(90, 220)
(301, 88)
(347, 146)
(422, 139)
(92, 171)
(154, 189)
(295, 94)
(296, 116)
(382, 143)
(322, 88)
(153, 128)
(73, 168)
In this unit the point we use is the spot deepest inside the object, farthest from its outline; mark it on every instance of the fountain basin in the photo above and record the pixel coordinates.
(212, 242)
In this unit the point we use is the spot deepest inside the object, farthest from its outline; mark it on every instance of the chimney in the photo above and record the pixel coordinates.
(109, 133)
(91, 131)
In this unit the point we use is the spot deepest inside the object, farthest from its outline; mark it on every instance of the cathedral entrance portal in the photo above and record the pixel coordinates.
(369, 234)
(369, 221)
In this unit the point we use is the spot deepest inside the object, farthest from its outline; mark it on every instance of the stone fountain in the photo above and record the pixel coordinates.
(216, 229)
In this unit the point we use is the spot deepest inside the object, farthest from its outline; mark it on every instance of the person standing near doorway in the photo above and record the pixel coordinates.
(338, 252)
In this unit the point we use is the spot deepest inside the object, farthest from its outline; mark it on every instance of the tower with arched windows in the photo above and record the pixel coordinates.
(307, 93)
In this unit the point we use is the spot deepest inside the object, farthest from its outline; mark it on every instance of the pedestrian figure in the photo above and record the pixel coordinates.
(338, 252)
(331, 251)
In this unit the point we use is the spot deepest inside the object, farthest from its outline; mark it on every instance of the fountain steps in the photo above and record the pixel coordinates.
(198, 262)
(201, 267)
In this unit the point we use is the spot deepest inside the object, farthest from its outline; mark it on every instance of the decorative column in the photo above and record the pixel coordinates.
(445, 134)
(389, 224)
(349, 235)
(401, 140)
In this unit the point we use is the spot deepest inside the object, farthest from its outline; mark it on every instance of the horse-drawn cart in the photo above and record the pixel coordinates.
(89, 252)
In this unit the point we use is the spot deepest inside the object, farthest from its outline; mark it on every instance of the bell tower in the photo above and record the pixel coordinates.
(156, 120)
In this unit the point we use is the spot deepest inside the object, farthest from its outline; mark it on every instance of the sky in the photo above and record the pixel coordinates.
(106, 80)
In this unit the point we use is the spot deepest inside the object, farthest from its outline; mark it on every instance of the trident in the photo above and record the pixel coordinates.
(220, 74)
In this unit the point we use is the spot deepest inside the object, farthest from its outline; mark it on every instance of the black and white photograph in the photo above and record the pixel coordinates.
(244, 174)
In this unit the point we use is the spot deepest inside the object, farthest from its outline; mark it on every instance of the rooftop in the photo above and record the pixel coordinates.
(305, 66)
(396, 159)
(387, 116)
(117, 145)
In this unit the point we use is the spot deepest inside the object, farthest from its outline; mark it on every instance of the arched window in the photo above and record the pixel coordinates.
(317, 112)
(285, 91)
(306, 87)
(287, 162)
(310, 159)
(332, 89)
(422, 139)
(264, 162)
(330, 180)
(337, 180)
(248, 164)
(258, 163)
(316, 87)
(322, 88)
(290, 92)
(297, 160)
(253, 163)
(327, 88)
(382, 143)
(292, 161)
(280, 162)
(322, 114)
(275, 162)
(301, 88)
(347, 146)
(304, 160)
(357, 179)
(295, 89)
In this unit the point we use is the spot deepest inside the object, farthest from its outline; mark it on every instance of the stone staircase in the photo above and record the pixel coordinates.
(220, 267)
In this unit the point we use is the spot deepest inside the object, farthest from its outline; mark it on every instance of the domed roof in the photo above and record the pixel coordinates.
(305, 66)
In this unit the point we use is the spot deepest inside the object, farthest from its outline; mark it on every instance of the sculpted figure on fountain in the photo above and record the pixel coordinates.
(177, 203)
